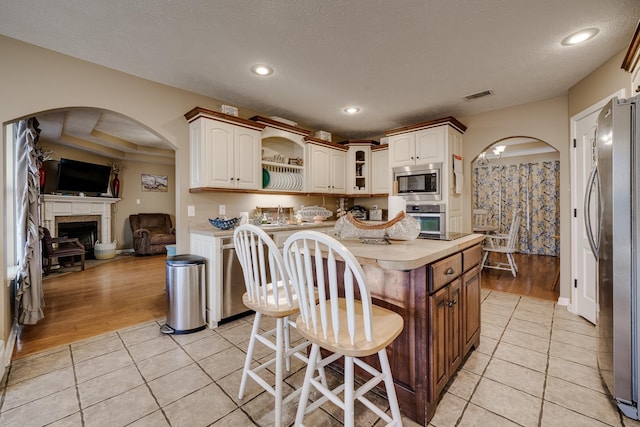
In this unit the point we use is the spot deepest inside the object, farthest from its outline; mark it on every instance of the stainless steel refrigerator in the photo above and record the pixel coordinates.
(612, 211)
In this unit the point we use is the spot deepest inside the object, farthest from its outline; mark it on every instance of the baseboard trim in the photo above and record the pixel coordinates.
(125, 251)
(6, 349)
(563, 301)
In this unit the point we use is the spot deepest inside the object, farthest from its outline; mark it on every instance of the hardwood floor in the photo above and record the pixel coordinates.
(536, 277)
(131, 290)
(104, 298)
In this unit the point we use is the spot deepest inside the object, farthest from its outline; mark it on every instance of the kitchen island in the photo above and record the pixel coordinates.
(435, 287)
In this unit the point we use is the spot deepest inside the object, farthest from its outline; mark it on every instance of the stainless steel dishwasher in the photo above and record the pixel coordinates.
(232, 281)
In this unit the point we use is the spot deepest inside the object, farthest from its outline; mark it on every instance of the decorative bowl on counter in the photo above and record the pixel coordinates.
(224, 224)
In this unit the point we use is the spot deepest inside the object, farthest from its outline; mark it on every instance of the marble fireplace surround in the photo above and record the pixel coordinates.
(57, 209)
(80, 218)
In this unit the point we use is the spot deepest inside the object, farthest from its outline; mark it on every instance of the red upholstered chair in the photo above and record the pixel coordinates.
(59, 247)
(152, 232)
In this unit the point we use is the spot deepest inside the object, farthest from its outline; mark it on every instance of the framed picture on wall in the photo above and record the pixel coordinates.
(155, 183)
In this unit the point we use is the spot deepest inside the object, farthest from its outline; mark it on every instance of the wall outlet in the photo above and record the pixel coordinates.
(137, 201)
(191, 211)
(222, 210)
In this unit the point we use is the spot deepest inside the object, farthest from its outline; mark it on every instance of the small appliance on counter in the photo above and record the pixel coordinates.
(358, 212)
(375, 214)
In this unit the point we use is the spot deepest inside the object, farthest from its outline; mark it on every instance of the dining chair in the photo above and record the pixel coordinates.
(504, 244)
(268, 293)
(61, 247)
(348, 327)
(481, 221)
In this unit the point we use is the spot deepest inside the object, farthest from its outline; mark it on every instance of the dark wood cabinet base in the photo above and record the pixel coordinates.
(421, 368)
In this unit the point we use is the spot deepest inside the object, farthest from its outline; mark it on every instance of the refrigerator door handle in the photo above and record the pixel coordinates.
(587, 212)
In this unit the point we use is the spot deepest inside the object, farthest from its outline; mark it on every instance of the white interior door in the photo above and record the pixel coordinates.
(584, 275)
(585, 291)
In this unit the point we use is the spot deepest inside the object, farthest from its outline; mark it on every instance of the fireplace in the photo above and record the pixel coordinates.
(58, 210)
(85, 231)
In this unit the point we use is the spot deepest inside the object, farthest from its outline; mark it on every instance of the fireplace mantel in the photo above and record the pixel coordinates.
(68, 206)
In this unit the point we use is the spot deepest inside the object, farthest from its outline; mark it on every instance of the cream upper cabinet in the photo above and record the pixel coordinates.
(359, 168)
(418, 147)
(225, 151)
(380, 171)
(430, 145)
(327, 166)
(402, 150)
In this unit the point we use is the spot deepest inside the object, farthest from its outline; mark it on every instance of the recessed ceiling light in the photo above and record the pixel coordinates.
(262, 70)
(579, 37)
(352, 110)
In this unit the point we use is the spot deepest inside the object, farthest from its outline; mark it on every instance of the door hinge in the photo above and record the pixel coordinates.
(575, 213)
(574, 143)
(575, 283)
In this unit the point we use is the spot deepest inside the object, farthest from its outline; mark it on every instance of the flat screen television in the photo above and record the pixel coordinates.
(81, 177)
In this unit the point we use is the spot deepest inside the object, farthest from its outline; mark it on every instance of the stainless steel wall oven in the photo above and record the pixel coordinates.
(432, 219)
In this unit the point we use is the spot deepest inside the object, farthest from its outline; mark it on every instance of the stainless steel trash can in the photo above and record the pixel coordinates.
(185, 294)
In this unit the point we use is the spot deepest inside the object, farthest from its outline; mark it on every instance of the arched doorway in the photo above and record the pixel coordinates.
(103, 137)
(522, 174)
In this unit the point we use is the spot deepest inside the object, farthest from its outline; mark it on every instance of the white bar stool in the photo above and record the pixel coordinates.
(345, 326)
(269, 293)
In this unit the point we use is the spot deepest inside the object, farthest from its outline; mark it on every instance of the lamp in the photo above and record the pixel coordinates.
(497, 154)
(482, 159)
(498, 150)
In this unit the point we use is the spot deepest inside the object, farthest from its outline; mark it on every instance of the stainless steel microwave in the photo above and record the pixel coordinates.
(419, 182)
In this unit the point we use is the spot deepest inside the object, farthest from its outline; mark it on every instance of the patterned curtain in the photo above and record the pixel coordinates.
(532, 188)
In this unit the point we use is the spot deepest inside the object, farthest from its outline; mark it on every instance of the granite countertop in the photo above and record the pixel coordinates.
(411, 254)
(399, 255)
(210, 230)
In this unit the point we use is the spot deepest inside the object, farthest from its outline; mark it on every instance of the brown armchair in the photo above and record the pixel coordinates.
(152, 232)
(61, 247)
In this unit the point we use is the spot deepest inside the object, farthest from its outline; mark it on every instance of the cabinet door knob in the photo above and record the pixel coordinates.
(452, 302)
(449, 271)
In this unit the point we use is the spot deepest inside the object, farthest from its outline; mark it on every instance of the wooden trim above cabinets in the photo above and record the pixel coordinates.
(280, 125)
(199, 112)
(380, 147)
(317, 141)
(631, 59)
(451, 121)
(369, 142)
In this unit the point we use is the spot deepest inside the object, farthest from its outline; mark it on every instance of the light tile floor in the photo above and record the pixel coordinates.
(535, 366)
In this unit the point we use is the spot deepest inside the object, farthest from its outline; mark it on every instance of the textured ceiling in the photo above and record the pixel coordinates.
(400, 61)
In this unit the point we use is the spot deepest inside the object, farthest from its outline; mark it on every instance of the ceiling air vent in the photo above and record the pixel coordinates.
(477, 95)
